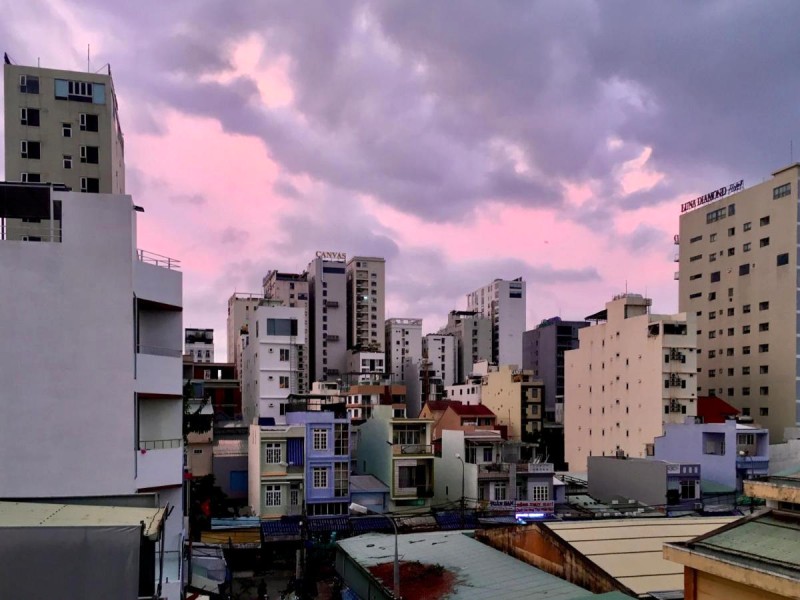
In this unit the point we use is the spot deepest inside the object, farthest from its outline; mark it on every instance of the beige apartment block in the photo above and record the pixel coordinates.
(63, 127)
(291, 289)
(516, 398)
(366, 303)
(632, 372)
(738, 276)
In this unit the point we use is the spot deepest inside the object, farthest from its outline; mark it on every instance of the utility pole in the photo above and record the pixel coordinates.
(458, 456)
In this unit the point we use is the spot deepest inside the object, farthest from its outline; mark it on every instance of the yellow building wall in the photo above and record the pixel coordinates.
(711, 587)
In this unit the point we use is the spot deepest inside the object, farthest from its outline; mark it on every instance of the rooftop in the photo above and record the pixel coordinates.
(477, 410)
(367, 483)
(481, 571)
(630, 551)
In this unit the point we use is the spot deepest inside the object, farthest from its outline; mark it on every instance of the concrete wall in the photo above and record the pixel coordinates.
(684, 444)
(447, 483)
(66, 355)
(642, 480)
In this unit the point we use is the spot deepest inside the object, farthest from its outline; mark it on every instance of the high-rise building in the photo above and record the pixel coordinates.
(403, 346)
(63, 127)
(366, 303)
(240, 306)
(738, 276)
(199, 343)
(632, 371)
(291, 289)
(90, 355)
(270, 361)
(473, 334)
(327, 296)
(503, 302)
(439, 351)
(543, 351)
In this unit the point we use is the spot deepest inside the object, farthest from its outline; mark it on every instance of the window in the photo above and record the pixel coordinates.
(763, 411)
(28, 84)
(284, 355)
(712, 353)
(745, 391)
(67, 161)
(695, 258)
(763, 369)
(745, 329)
(744, 269)
(746, 247)
(341, 443)
(745, 370)
(320, 439)
(731, 210)
(712, 257)
(763, 347)
(28, 149)
(711, 238)
(714, 276)
(745, 308)
(783, 259)
(500, 490)
(763, 242)
(90, 185)
(66, 130)
(89, 122)
(729, 352)
(696, 238)
(287, 327)
(695, 276)
(272, 453)
(745, 411)
(763, 221)
(272, 495)
(90, 155)
(731, 231)
(745, 349)
(689, 489)
(763, 326)
(731, 251)
(540, 492)
(747, 226)
(730, 330)
(716, 215)
(781, 191)
(763, 305)
(746, 439)
(320, 477)
(488, 455)
(764, 390)
(341, 480)
(29, 117)
(712, 334)
(712, 295)
(712, 315)
(283, 382)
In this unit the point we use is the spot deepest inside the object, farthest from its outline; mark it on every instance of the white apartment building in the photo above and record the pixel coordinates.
(291, 289)
(327, 335)
(473, 333)
(440, 352)
(364, 367)
(632, 372)
(739, 277)
(271, 370)
(403, 346)
(63, 127)
(239, 308)
(504, 303)
(90, 355)
(366, 302)
(199, 344)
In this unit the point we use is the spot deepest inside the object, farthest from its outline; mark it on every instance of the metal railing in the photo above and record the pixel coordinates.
(14, 230)
(160, 444)
(158, 260)
(412, 449)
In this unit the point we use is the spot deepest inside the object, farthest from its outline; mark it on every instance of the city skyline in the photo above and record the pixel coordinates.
(556, 144)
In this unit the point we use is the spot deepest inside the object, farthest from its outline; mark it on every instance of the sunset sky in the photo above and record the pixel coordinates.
(462, 141)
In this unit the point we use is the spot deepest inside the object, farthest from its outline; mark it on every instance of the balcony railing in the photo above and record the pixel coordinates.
(418, 491)
(16, 230)
(158, 260)
(412, 449)
(160, 444)
(494, 470)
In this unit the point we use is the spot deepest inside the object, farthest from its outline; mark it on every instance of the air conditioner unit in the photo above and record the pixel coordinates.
(674, 405)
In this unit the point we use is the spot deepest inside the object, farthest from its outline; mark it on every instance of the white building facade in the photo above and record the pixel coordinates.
(504, 303)
(440, 352)
(632, 372)
(366, 302)
(271, 370)
(403, 346)
(327, 295)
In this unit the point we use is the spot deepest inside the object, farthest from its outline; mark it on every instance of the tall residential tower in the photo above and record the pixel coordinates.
(503, 302)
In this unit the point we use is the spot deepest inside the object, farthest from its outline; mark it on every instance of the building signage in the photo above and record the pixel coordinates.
(711, 196)
(340, 256)
(546, 506)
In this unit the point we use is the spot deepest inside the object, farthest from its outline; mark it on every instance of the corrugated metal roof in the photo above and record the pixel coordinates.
(31, 514)
(481, 572)
(631, 550)
(367, 483)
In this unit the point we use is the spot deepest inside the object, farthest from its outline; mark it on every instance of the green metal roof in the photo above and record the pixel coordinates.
(481, 571)
(712, 487)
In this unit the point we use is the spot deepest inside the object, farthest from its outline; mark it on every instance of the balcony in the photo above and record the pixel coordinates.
(332, 303)
(677, 275)
(412, 449)
(332, 337)
(157, 279)
(158, 371)
(418, 491)
(159, 467)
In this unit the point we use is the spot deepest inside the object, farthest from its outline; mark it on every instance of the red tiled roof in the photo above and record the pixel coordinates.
(714, 410)
(441, 405)
(472, 410)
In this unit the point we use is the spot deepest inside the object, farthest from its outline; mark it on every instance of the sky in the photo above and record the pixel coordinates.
(462, 141)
